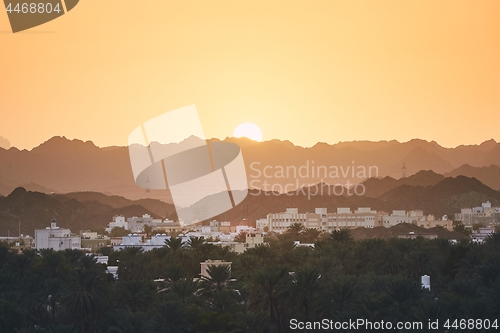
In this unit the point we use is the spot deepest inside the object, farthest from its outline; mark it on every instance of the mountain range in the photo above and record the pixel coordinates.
(62, 166)
(77, 211)
(92, 210)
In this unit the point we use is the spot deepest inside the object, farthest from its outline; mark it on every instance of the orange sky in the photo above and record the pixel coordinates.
(306, 71)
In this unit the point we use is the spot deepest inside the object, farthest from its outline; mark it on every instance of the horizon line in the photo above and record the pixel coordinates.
(257, 142)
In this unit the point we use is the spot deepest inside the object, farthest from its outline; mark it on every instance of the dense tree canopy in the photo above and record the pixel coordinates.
(267, 286)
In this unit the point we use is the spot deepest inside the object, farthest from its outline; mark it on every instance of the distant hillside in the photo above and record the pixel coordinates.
(489, 175)
(90, 210)
(378, 186)
(446, 197)
(62, 166)
(35, 210)
(157, 207)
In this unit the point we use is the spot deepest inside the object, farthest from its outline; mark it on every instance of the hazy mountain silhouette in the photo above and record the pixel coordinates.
(75, 211)
(378, 186)
(487, 175)
(4, 143)
(446, 197)
(94, 210)
(61, 165)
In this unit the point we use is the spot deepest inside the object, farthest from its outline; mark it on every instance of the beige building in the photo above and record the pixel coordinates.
(431, 222)
(92, 242)
(322, 220)
(226, 227)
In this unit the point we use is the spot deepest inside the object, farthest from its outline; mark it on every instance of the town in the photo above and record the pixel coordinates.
(150, 233)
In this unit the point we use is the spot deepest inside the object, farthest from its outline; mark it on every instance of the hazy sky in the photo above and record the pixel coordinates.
(306, 71)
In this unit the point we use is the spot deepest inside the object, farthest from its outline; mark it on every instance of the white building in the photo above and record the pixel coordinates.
(156, 241)
(322, 220)
(281, 221)
(481, 235)
(397, 216)
(213, 227)
(136, 224)
(363, 217)
(56, 238)
(484, 214)
(118, 222)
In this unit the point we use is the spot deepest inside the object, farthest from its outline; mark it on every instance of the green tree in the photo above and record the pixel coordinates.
(118, 232)
(267, 293)
(84, 298)
(341, 236)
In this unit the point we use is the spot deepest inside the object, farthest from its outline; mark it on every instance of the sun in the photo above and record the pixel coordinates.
(248, 130)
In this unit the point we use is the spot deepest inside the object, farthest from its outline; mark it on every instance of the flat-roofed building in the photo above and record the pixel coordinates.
(56, 238)
(363, 217)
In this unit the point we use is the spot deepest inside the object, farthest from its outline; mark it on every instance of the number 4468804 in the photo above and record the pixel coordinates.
(471, 324)
(33, 8)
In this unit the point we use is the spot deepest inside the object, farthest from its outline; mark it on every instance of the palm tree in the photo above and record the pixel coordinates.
(174, 272)
(244, 266)
(73, 256)
(90, 263)
(127, 322)
(84, 298)
(185, 290)
(341, 236)
(219, 278)
(128, 267)
(250, 322)
(174, 245)
(267, 293)
(221, 252)
(221, 301)
(20, 266)
(195, 242)
(310, 235)
(295, 229)
(389, 261)
(4, 255)
(12, 319)
(50, 298)
(400, 296)
(134, 295)
(305, 285)
(157, 265)
(327, 266)
(469, 264)
(263, 252)
(489, 272)
(169, 317)
(336, 297)
(418, 264)
(53, 263)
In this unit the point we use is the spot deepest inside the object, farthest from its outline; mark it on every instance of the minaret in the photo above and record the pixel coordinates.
(403, 171)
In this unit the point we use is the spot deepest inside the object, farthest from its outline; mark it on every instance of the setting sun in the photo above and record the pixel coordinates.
(248, 130)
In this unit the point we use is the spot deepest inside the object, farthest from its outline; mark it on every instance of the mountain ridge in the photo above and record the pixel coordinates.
(61, 165)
